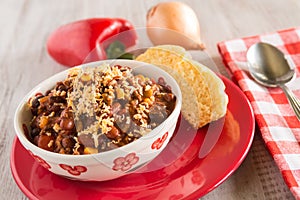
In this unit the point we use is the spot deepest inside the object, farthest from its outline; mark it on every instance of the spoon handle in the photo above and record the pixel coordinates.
(293, 100)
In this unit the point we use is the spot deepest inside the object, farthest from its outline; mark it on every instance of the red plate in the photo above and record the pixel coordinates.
(193, 163)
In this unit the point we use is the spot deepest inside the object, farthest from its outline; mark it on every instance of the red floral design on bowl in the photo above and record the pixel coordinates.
(157, 144)
(125, 163)
(76, 170)
(40, 160)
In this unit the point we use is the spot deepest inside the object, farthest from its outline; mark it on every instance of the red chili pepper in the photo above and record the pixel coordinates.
(74, 43)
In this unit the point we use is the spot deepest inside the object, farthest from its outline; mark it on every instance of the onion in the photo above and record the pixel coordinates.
(174, 23)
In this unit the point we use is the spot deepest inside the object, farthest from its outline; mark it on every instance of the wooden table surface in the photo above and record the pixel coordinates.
(24, 62)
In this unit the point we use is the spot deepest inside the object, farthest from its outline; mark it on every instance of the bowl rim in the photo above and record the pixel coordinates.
(31, 147)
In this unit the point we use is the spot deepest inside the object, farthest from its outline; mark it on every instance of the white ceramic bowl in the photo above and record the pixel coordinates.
(111, 164)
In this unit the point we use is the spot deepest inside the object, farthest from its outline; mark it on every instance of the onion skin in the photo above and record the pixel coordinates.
(174, 23)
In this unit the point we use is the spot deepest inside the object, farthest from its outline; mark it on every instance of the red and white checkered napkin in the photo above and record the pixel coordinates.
(278, 124)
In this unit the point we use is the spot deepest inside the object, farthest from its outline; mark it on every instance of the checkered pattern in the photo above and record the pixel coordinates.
(278, 124)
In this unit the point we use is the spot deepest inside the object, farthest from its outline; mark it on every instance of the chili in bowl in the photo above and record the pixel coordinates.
(100, 120)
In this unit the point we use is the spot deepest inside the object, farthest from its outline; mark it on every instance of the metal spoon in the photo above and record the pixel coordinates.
(268, 66)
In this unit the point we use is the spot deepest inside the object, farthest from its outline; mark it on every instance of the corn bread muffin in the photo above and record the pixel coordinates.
(204, 97)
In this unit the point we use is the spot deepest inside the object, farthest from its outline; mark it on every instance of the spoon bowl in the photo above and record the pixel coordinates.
(269, 67)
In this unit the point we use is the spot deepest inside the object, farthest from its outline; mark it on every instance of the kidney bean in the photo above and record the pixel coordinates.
(66, 113)
(44, 142)
(67, 123)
